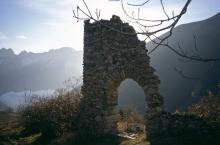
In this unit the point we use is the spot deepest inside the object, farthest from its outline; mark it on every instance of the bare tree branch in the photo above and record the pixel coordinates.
(139, 4)
(81, 14)
(190, 57)
(161, 2)
(199, 76)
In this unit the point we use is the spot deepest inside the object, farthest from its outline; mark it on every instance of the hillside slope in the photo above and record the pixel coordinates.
(38, 71)
(181, 89)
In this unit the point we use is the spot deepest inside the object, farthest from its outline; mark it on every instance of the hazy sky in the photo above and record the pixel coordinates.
(40, 25)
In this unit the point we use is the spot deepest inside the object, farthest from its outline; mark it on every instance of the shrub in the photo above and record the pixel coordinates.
(130, 120)
(208, 107)
(52, 116)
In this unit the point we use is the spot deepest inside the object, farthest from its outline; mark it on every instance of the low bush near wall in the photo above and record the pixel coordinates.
(51, 116)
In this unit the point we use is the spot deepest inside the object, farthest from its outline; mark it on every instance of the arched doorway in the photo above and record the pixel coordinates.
(109, 58)
(131, 103)
(130, 93)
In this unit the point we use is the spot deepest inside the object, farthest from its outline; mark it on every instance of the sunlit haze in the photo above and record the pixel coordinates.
(41, 25)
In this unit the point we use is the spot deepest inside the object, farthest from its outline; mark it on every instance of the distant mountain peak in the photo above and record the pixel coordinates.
(24, 52)
(9, 50)
(63, 49)
(4, 52)
(39, 71)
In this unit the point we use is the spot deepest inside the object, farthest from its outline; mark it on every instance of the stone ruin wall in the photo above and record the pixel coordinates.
(109, 58)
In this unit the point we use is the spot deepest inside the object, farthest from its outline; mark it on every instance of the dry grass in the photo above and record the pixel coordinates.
(10, 129)
(208, 107)
(51, 116)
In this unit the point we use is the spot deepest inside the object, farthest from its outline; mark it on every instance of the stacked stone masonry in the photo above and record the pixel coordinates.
(110, 56)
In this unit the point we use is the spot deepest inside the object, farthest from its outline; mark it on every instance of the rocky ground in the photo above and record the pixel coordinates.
(176, 130)
(185, 129)
(11, 134)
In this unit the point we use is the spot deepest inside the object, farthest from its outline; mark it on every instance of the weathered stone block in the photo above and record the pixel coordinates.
(109, 58)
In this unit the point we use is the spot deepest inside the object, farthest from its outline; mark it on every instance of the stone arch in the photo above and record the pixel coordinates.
(109, 58)
(112, 116)
(146, 80)
(153, 99)
(131, 96)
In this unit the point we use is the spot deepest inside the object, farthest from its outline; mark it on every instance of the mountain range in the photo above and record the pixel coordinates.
(38, 71)
(183, 82)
